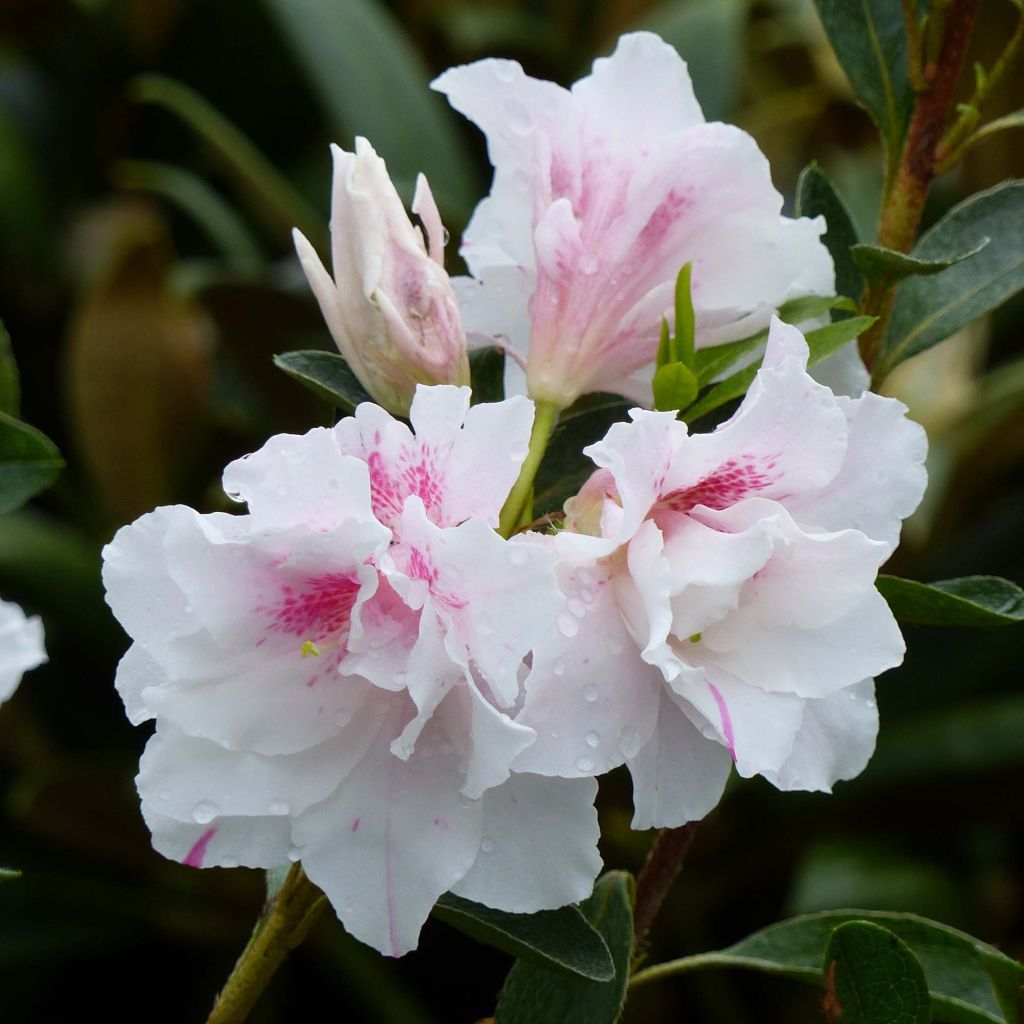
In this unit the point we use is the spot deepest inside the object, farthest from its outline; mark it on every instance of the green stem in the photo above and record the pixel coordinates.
(664, 862)
(674, 967)
(515, 508)
(285, 922)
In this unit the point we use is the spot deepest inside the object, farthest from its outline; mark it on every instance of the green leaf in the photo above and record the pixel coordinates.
(999, 124)
(821, 342)
(9, 874)
(327, 375)
(871, 977)
(10, 390)
(969, 982)
(272, 195)
(29, 462)
(565, 468)
(984, 601)
(487, 374)
(880, 264)
(533, 995)
(560, 940)
(869, 38)
(371, 81)
(929, 310)
(816, 195)
(685, 325)
(675, 387)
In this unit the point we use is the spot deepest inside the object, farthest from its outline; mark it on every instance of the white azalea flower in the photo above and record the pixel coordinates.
(21, 646)
(601, 193)
(334, 674)
(728, 579)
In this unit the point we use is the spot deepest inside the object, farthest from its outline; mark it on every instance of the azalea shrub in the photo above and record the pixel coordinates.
(556, 540)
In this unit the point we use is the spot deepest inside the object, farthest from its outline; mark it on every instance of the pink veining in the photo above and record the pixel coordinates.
(723, 711)
(731, 482)
(356, 824)
(320, 606)
(194, 857)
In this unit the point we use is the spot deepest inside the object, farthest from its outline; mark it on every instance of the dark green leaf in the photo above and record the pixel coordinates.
(821, 342)
(929, 310)
(371, 81)
(969, 982)
(10, 391)
(487, 373)
(880, 264)
(29, 462)
(9, 874)
(870, 40)
(984, 601)
(674, 386)
(871, 977)
(816, 195)
(565, 468)
(560, 940)
(327, 375)
(533, 995)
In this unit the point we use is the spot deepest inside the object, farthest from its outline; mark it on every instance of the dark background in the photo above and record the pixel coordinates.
(144, 307)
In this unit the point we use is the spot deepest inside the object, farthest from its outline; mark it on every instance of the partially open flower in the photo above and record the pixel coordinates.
(390, 306)
(21, 646)
(600, 194)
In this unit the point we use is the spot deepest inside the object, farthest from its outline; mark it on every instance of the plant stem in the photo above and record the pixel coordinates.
(673, 967)
(904, 201)
(285, 922)
(664, 861)
(512, 514)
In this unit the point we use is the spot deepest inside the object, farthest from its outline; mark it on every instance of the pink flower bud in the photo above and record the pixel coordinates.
(390, 307)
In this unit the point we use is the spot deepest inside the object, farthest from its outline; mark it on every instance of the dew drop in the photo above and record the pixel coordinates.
(627, 740)
(590, 692)
(576, 607)
(483, 622)
(283, 492)
(567, 624)
(589, 263)
(487, 844)
(851, 697)
(465, 800)
(520, 120)
(871, 704)
(615, 645)
(593, 738)
(229, 862)
(585, 764)
(558, 667)
(278, 807)
(516, 554)
(400, 678)
(333, 484)
(554, 734)
(165, 794)
(342, 718)
(504, 70)
(294, 853)
(204, 812)
(588, 595)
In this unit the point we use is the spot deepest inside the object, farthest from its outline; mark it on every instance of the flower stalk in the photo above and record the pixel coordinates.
(284, 923)
(663, 864)
(516, 506)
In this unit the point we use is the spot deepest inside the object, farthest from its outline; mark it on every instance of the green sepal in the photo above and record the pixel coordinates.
(675, 387)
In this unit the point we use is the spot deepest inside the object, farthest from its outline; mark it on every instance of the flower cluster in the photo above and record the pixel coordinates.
(365, 674)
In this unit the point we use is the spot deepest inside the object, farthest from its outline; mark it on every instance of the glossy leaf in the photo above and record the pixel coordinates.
(372, 82)
(871, 977)
(560, 940)
(534, 995)
(327, 375)
(10, 391)
(869, 38)
(29, 462)
(984, 601)
(969, 982)
(565, 468)
(487, 374)
(816, 195)
(821, 342)
(880, 264)
(929, 310)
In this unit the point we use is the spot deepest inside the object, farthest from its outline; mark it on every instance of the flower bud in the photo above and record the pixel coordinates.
(390, 307)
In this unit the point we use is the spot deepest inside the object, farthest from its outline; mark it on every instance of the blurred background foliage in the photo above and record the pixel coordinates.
(154, 155)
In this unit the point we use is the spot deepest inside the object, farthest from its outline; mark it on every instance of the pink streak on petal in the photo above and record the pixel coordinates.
(355, 824)
(723, 710)
(194, 857)
(317, 608)
(730, 483)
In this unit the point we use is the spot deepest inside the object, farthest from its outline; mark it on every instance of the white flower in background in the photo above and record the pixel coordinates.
(721, 603)
(600, 194)
(390, 306)
(333, 674)
(21, 646)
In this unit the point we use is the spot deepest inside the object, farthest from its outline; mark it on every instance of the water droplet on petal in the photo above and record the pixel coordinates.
(333, 484)
(615, 645)
(576, 607)
(589, 263)
(588, 595)
(555, 734)
(516, 554)
(229, 862)
(590, 692)
(871, 704)
(465, 800)
(567, 624)
(165, 794)
(585, 764)
(504, 70)
(400, 678)
(342, 718)
(851, 696)
(487, 844)
(282, 492)
(278, 807)
(593, 739)
(294, 853)
(204, 812)
(558, 667)
(627, 740)
(520, 120)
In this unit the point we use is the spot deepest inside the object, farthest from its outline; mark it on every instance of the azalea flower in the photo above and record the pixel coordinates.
(721, 601)
(390, 306)
(21, 646)
(601, 193)
(334, 674)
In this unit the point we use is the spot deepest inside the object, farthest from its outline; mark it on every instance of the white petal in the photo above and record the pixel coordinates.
(678, 775)
(538, 845)
(21, 646)
(263, 842)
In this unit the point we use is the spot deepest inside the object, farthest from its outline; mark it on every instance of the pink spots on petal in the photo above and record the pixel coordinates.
(421, 476)
(316, 608)
(730, 483)
(194, 857)
(386, 494)
(356, 824)
(440, 822)
(723, 711)
(420, 566)
(663, 220)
